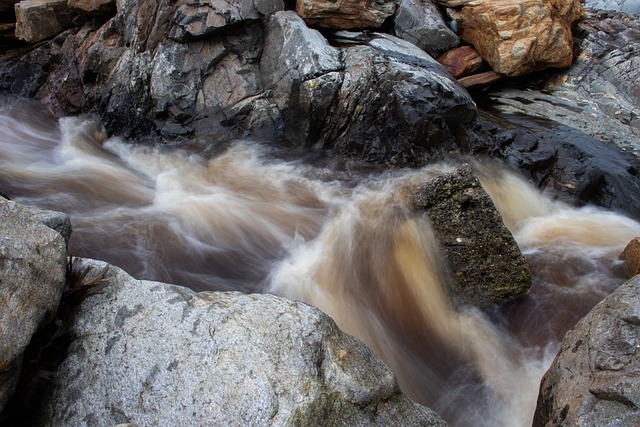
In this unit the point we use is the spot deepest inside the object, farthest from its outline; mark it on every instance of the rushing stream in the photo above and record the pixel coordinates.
(340, 237)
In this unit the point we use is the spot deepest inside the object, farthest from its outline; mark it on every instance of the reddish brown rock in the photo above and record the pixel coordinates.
(38, 20)
(461, 61)
(345, 14)
(631, 255)
(481, 79)
(520, 36)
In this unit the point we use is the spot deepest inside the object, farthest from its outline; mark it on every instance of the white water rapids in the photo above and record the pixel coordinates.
(343, 240)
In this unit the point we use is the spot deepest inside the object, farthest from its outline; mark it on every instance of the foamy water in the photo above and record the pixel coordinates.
(347, 242)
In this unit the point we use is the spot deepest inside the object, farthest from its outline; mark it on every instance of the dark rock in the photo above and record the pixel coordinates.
(599, 94)
(266, 76)
(577, 168)
(483, 256)
(420, 22)
(396, 105)
(595, 379)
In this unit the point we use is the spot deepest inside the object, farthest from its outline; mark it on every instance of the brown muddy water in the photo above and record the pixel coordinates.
(343, 239)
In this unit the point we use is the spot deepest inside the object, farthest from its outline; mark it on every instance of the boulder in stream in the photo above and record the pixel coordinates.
(483, 256)
(595, 379)
(156, 354)
(33, 260)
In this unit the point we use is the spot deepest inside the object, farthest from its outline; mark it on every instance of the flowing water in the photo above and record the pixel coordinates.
(340, 237)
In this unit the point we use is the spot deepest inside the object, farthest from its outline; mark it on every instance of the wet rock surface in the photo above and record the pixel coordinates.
(577, 168)
(158, 354)
(485, 260)
(420, 22)
(598, 95)
(595, 379)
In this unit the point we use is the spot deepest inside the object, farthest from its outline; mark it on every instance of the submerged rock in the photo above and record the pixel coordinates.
(595, 379)
(32, 276)
(485, 260)
(158, 354)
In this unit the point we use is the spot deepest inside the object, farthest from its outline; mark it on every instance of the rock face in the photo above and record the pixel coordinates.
(483, 256)
(595, 379)
(32, 275)
(420, 22)
(576, 167)
(628, 6)
(345, 14)
(631, 257)
(582, 131)
(598, 95)
(157, 354)
(520, 36)
(37, 20)
(187, 74)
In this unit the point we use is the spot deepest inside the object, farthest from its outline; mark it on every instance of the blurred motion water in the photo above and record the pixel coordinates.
(345, 241)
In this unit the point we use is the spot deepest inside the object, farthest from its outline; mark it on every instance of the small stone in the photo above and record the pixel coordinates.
(631, 256)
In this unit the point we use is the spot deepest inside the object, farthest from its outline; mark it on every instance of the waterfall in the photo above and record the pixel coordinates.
(338, 236)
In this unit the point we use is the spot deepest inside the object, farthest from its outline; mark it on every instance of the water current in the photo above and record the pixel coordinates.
(255, 218)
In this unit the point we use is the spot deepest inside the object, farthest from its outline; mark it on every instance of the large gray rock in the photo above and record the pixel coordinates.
(421, 23)
(32, 275)
(595, 379)
(485, 260)
(158, 354)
